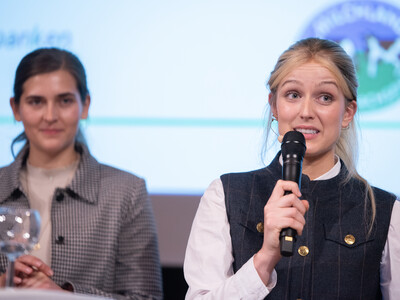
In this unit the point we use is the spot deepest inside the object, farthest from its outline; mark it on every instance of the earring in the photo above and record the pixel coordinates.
(273, 118)
(347, 127)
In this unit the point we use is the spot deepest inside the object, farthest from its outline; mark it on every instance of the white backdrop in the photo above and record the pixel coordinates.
(178, 87)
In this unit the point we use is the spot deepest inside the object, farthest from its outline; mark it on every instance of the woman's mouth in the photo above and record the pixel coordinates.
(307, 131)
(50, 131)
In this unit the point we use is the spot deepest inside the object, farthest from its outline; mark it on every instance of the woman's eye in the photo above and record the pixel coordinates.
(66, 101)
(35, 101)
(326, 98)
(293, 95)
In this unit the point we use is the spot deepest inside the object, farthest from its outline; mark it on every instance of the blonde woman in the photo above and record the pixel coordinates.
(348, 241)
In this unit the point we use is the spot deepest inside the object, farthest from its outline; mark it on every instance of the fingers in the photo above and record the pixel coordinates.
(26, 264)
(292, 201)
(39, 280)
(33, 281)
(17, 280)
(282, 211)
(278, 198)
(30, 260)
(284, 218)
(21, 269)
(282, 186)
(306, 204)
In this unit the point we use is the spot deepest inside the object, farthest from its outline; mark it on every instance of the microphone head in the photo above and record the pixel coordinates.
(293, 143)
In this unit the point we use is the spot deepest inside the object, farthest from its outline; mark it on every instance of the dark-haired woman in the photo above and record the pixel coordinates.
(98, 234)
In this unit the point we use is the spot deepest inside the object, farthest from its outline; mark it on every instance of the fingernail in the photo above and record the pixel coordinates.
(38, 264)
(17, 280)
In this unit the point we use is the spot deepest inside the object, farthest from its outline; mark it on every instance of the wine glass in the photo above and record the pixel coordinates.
(19, 233)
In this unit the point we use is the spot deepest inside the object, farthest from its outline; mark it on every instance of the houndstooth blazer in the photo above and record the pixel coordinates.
(104, 240)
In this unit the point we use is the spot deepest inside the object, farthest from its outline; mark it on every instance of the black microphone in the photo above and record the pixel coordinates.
(293, 149)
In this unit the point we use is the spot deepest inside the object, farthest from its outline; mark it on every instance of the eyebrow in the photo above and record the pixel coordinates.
(59, 95)
(66, 94)
(328, 82)
(290, 81)
(320, 84)
(34, 97)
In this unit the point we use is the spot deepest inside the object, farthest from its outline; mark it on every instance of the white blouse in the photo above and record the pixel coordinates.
(208, 261)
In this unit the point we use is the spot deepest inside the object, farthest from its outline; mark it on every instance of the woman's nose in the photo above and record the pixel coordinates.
(50, 114)
(307, 109)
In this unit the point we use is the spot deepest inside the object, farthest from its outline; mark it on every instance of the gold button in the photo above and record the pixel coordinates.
(260, 227)
(349, 239)
(303, 250)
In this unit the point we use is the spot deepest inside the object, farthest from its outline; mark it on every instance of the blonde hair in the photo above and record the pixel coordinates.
(332, 56)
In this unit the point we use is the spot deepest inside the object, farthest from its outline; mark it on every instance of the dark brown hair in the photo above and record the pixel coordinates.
(46, 60)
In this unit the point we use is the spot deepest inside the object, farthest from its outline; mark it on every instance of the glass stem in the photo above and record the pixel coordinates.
(10, 274)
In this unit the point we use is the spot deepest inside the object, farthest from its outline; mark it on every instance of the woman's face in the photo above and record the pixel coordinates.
(50, 109)
(309, 100)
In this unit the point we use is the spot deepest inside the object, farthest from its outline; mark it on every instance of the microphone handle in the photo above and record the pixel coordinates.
(287, 239)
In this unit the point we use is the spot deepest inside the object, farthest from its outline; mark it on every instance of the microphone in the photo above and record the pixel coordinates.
(293, 149)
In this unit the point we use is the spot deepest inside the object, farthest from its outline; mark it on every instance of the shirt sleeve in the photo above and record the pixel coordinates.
(137, 270)
(390, 264)
(208, 261)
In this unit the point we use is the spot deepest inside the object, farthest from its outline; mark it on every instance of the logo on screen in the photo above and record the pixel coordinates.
(33, 38)
(369, 31)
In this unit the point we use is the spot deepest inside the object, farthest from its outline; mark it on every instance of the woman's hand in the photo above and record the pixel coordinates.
(25, 266)
(281, 211)
(39, 280)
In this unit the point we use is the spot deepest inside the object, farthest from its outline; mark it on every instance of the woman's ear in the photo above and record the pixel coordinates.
(85, 108)
(15, 109)
(272, 104)
(350, 111)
